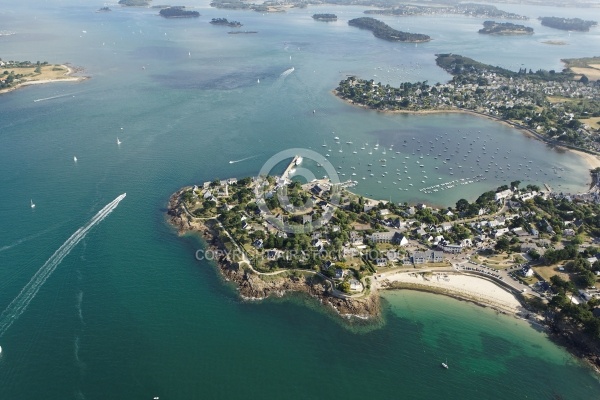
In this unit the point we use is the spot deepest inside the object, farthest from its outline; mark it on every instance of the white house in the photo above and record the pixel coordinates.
(503, 194)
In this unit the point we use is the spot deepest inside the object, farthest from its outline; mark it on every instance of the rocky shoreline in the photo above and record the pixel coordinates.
(255, 286)
(252, 285)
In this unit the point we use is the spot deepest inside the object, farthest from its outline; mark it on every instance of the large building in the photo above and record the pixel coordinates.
(430, 256)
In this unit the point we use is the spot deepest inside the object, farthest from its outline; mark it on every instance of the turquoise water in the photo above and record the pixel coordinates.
(129, 313)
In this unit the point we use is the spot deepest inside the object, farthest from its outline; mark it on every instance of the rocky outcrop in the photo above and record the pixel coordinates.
(254, 286)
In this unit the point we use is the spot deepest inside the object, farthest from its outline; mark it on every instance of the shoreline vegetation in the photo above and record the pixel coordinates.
(384, 31)
(506, 28)
(16, 74)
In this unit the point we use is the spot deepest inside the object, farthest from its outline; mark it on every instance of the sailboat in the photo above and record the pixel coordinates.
(32, 205)
(118, 141)
(324, 144)
(74, 158)
(258, 80)
(445, 364)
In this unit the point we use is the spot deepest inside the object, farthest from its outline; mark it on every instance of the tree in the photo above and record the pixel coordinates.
(503, 244)
(462, 205)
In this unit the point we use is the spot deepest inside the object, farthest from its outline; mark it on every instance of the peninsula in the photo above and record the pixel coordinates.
(178, 12)
(561, 108)
(15, 74)
(384, 31)
(521, 251)
(467, 9)
(568, 24)
(506, 28)
(325, 17)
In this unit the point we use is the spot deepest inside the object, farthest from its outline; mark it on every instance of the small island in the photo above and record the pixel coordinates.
(506, 28)
(15, 74)
(384, 31)
(178, 12)
(135, 3)
(104, 9)
(568, 24)
(325, 17)
(225, 22)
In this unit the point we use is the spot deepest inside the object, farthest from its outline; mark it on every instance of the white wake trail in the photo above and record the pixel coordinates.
(20, 303)
(286, 72)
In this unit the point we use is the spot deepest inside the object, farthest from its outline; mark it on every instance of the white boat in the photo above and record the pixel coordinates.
(74, 158)
(445, 364)
(0, 349)
(299, 160)
(324, 144)
(32, 205)
(118, 141)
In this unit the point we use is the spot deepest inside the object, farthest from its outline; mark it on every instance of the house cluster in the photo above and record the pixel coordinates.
(486, 92)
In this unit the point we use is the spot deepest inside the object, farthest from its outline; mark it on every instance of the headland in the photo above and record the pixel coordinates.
(16, 74)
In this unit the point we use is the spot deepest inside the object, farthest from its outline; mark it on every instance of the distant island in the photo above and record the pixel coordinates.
(223, 21)
(325, 17)
(15, 74)
(468, 9)
(506, 28)
(178, 12)
(568, 24)
(104, 9)
(135, 3)
(383, 31)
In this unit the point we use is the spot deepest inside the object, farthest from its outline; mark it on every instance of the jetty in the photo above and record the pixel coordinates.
(295, 162)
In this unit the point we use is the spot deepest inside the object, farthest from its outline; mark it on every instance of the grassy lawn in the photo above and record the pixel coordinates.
(498, 261)
(592, 122)
(48, 72)
(558, 99)
(547, 272)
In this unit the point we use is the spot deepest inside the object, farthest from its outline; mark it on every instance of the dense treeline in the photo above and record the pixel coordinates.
(178, 12)
(383, 31)
(568, 24)
(224, 21)
(506, 28)
(325, 17)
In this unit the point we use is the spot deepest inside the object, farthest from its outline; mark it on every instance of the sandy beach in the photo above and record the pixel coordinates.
(471, 288)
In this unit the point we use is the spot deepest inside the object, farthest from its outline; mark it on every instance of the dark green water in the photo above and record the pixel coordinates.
(130, 314)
